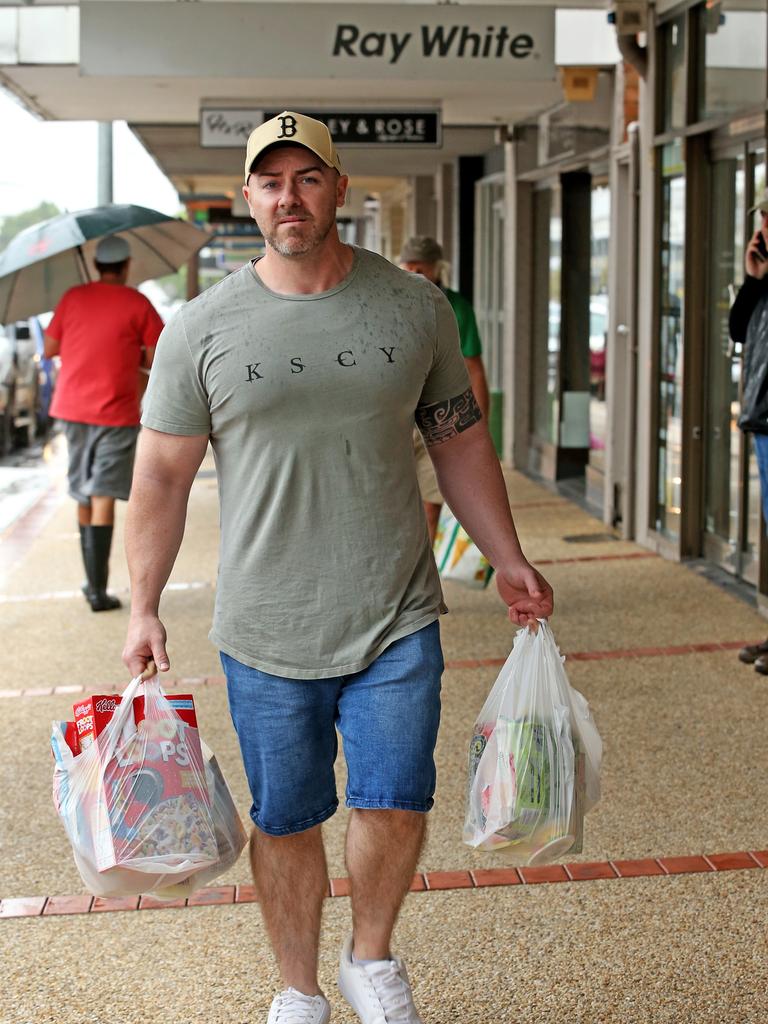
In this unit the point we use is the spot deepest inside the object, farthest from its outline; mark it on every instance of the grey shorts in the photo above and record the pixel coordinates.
(100, 460)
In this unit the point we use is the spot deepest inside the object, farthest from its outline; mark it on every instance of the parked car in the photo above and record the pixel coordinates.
(27, 380)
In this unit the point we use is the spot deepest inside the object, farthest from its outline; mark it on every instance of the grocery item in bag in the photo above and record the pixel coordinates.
(534, 750)
(137, 804)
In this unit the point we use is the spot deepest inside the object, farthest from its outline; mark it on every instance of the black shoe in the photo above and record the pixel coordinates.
(96, 543)
(751, 653)
(761, 664)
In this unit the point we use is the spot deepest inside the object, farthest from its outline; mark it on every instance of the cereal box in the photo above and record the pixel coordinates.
(93, 713)
(155, 803)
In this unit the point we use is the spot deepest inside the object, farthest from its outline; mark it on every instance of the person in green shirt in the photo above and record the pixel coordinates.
(424, 255)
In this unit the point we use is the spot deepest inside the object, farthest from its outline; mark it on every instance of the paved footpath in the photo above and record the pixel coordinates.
(661, 918)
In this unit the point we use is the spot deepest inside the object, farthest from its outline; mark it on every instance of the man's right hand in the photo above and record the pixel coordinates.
(755, 264)
(145, 642)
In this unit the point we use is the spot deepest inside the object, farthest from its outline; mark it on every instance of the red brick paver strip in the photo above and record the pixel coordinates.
(448, 880)
(67, 905)
(588, 870)
(23, 906)
(212, 896)
(433, 881)
(544, 873)
(731, 861)
(638, 868)
(495, 876)
(684, 865)
(246, 894)
(104, 904)
(152, 903)
(463, 663)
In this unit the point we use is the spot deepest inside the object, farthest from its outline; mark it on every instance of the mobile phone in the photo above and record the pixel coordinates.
(761, 246)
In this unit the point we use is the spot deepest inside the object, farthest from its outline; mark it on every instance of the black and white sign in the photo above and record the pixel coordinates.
(438, 42)
(229, 127)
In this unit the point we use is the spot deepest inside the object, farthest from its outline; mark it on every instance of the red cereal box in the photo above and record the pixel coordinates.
(156, 802)
(93, 713)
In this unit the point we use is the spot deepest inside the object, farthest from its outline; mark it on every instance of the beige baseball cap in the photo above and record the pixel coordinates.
(296, 129)
(761, 204)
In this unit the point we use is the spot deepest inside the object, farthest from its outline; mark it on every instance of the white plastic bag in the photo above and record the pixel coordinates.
(456, 554)
(141, 807)
(534, 758)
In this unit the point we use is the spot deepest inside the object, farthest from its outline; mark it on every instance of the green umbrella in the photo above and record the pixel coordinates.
(44, 260)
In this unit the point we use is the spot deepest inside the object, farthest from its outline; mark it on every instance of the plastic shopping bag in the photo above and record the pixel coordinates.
(457, 556)
(534, 758)
(142, 808)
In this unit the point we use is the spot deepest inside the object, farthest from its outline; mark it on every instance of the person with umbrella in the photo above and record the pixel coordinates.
(105, 334)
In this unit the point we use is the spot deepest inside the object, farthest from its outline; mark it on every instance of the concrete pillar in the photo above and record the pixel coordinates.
(444, 209)
(423, 212)
(104, 158)
(518, 218)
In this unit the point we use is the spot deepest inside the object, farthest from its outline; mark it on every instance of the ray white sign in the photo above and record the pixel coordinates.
(305, 41)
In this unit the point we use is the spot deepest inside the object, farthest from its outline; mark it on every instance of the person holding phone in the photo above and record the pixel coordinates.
(748, 326)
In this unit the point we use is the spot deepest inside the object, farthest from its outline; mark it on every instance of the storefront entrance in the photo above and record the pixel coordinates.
(731, 485)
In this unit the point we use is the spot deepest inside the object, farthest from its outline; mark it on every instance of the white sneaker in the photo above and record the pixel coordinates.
(293, 1007)
(379, 993)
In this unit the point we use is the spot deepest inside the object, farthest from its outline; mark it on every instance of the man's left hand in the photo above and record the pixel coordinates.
(525, 592)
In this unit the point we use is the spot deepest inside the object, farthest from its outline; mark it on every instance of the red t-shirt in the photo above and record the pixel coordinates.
(101, 329)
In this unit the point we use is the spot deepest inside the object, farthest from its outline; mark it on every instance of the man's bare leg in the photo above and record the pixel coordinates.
(383, 848)
(291, 879)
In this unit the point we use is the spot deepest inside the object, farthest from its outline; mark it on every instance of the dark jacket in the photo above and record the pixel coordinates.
(748, 325)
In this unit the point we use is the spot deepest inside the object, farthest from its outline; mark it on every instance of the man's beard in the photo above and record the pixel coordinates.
(300, 244)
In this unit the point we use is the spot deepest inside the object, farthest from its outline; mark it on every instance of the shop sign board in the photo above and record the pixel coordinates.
(442, 42)
(225, 127)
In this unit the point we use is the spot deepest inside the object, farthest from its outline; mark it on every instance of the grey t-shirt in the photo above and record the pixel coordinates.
(309, 402)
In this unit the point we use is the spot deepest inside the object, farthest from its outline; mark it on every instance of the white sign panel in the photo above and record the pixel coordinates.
(300, 41)
(225, 127)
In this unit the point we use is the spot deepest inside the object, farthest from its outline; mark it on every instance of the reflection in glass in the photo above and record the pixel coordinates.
(723, 440)
(600, 214)
(670, 381)
(753, 499)
(546, 323)
(734, 43)
(673, 49)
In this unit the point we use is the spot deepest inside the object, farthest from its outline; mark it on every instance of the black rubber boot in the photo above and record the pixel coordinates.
(96, 543)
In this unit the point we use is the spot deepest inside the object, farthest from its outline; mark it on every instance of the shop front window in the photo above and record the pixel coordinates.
(547, 314)
(733, 38)
(722, 490)
(670, 351)
(673, 69)
(600, 214)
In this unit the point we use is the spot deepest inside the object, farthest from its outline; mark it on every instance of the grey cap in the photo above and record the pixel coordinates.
(761, 204)
(112, 249)
(421, 249)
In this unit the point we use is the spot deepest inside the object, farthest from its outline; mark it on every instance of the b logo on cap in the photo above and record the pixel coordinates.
(288, 126)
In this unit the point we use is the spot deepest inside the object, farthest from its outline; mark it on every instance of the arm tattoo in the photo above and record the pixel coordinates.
(444, 420)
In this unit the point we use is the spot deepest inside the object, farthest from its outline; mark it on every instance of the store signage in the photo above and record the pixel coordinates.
(224, 127)
(442, 42)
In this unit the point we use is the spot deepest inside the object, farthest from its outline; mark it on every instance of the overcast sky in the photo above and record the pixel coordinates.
(56, 161)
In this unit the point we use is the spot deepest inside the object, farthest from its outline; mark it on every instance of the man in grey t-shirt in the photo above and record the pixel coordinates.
(306, 370)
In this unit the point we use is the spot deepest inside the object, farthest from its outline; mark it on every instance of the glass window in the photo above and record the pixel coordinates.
(546, 325)
(723, 441)
(670, 378)
(673, 74)
(600, 216)
(734, 48)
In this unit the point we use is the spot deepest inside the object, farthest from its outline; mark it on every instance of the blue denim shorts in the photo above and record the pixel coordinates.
(388, 716)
